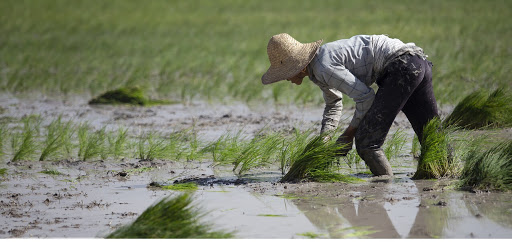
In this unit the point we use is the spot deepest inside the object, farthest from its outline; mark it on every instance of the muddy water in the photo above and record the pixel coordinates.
(91, 199)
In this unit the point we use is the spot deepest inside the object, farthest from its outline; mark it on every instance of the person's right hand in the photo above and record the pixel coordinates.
(345, 145)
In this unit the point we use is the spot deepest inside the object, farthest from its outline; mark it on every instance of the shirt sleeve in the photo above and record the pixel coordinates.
(332, 110)
(341, 79)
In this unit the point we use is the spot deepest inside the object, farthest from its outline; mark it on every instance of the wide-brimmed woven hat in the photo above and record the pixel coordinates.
(287, 57)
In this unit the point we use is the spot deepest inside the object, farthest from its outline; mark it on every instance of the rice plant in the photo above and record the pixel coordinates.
(91, 144)
(488, 169)
(117, 143)
(24, 144)
(416, 147)
(290, 150)
(394, 145)
(436, 159)
(256, 153)
(481, 109)
(57, 139)
(318, 155)
(170, 218)
(225, 149)
(151, 146)
(3, 137)
(193, 151)
(353, 160)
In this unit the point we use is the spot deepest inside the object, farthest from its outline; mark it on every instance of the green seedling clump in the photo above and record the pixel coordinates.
(24, 144)
(489, 169)
(170, 218)
(481, 109)
(315, 162)
(189, 186)
(435, 160)
(3, 171)
(126, 95)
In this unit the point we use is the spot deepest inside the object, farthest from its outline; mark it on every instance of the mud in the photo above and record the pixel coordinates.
(91, 199)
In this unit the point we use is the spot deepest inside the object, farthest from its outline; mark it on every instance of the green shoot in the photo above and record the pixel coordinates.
(57, 138)
(24, 144)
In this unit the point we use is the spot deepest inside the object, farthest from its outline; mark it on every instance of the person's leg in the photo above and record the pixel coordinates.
(397, 83)
(421, 106)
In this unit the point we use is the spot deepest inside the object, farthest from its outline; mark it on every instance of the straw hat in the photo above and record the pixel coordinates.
(287, 57)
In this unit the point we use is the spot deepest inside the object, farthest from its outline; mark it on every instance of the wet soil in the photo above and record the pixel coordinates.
(91, 199)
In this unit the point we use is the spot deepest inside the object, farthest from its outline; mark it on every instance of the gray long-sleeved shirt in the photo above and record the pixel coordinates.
(351, 66)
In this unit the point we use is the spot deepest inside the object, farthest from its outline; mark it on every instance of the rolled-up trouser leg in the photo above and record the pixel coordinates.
(396, 84)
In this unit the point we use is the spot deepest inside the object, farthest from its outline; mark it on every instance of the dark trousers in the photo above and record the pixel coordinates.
(404, 85)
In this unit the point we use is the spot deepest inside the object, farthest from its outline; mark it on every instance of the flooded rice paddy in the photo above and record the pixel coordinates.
(93, 198)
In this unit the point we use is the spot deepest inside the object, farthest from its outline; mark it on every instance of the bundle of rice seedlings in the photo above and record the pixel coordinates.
(259, 152)
(170, 218)
(481, 109)
(314, 162)
(436, 159)
(292, 149)
(489, 169)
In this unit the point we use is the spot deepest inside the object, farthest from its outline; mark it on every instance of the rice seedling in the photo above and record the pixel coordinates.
(3, 137)
(292, 149)
(170, 218)
(90, 144)
(353, 160)
(394, 145)
(57, 138)
(488, 169)
(118, 143)
(225, 149)
(193, 152)
(256, 153)
(316, 158)
(436, 158)
(416, 147)
(3, 172)
(481, 109)
(150, 147)
(24, 144)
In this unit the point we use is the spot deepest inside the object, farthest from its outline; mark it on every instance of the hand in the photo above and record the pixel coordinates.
(346, 140)
(345, 143)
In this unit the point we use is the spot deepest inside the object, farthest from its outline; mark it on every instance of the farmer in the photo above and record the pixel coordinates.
(350, 66)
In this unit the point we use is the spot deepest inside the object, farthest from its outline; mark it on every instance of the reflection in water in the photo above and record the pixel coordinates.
(385, 213)
(399, 210)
